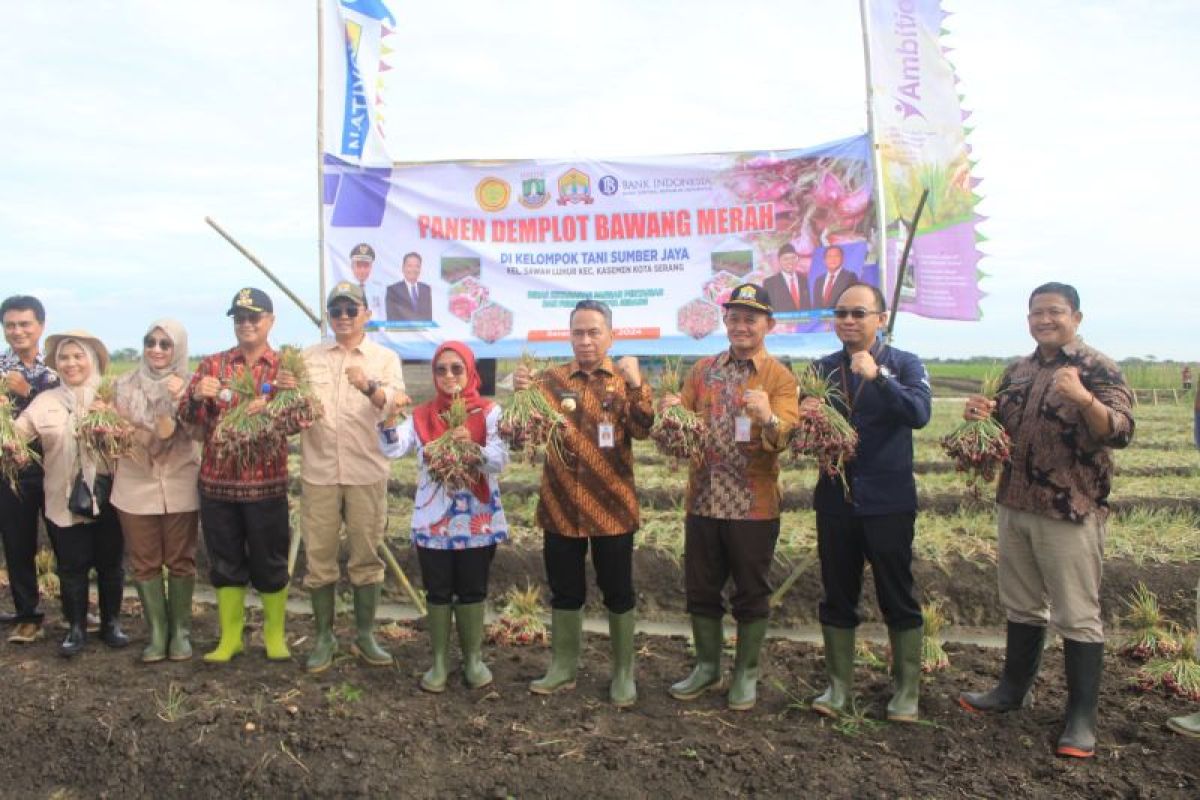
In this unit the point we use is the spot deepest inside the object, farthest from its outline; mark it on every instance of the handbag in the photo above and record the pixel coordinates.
(79, 502)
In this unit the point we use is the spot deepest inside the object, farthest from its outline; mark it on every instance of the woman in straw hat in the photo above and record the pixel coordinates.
(82, 523)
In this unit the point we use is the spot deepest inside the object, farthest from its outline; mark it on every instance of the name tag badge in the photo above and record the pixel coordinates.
(604, 435)
(741, 428)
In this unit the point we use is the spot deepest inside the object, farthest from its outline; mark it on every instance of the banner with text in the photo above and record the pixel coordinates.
(918, 120)
(497, 253)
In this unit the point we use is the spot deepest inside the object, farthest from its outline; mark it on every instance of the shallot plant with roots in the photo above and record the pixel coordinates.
(1178, 676)
(452, 464)
(15, 452)
(933, 654)
(677, 431)
(823, 433)
(519, 622)
(298, 408)
(529, 424)
(1151, 636)
(979, 447)
(102, 432)
(247, 438)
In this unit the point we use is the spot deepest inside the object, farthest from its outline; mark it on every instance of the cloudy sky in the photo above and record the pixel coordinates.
(126, 122)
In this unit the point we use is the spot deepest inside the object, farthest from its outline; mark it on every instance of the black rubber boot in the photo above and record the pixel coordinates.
(1085, 663)
(111, 588)
(1022, 659)
(74, 591)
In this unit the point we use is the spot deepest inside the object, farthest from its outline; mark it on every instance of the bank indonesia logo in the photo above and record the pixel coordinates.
(608, 185)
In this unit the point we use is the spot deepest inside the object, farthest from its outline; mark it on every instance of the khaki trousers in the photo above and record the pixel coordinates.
(1049, 572)
(155, 540)
(363, 509)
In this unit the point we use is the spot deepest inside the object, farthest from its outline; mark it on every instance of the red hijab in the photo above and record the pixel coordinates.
(427, 417)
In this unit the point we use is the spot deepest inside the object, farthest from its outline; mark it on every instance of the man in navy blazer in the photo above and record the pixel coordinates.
(788, 288)
(409, 299)
(836, 280)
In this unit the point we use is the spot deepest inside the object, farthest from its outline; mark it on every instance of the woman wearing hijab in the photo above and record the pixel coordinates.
(83, 538)
(155, 491)
(455, 534)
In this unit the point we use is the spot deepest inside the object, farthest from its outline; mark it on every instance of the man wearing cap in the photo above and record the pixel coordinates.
(748, 400)
(885, 394)
(788, 288)
(409, 299)
(345, 473)
(25, 375)
(362, 260)
(243, 510)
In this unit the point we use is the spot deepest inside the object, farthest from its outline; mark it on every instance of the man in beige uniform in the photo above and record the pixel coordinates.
(345, 473)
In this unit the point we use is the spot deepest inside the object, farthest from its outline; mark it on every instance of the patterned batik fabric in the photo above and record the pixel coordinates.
(39, 376)
(722, 484)
(1059, 469)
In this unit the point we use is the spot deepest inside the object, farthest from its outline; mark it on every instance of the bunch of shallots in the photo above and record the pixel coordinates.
(520, 621)
(1178, 676)
(677, 431)
(298, 408)
(452, 464)
(823, 433)
(245, 436)
(979, 447)
(528, 423)
(15, 452)
(102, 432)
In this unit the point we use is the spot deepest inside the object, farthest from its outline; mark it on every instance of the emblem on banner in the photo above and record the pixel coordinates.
(533, 190)
(492, 194)
(608, 185)
(574, 187)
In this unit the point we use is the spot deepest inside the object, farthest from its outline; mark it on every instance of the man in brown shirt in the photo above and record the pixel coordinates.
(587, 497)
(1065, 406)
(748, 399)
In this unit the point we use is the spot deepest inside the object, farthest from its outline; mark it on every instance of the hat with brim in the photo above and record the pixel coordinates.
(750, 295)
(255, 301)
(344, 290)
(55, 341)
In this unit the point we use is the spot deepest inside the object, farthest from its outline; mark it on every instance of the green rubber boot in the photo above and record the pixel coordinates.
(839, 666)
(154, 610)
(708, 636)
(743, 688)
(1188, 726)
(366, 599)
(566, 634)
(906, 674)
(231, 610)
(179, 619)
(438, 619)
(622, 690)
(274, 606)
(469, 621)
(324, 599)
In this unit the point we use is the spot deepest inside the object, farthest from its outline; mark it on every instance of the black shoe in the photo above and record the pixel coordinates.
(112, 635)
(1085, 663)
(73, 644)
(1022, 658)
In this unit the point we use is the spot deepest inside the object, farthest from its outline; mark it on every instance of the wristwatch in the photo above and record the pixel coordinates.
(372, 388)
(882, 376)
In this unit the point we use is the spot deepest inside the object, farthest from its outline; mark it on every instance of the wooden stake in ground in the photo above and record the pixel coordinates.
(418, 601)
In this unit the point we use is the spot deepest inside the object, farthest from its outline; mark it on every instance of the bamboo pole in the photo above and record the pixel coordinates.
(253, 259)
(401, 578)
(801, 567)
(321, 158)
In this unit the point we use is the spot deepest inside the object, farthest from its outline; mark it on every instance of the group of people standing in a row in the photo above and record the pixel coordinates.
(1065, 406)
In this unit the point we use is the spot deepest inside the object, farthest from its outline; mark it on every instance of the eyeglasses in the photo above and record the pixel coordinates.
(150, 343)
(337, 312)
(243, 317)
(856, 313)
(1053, 312)
(450, 369)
